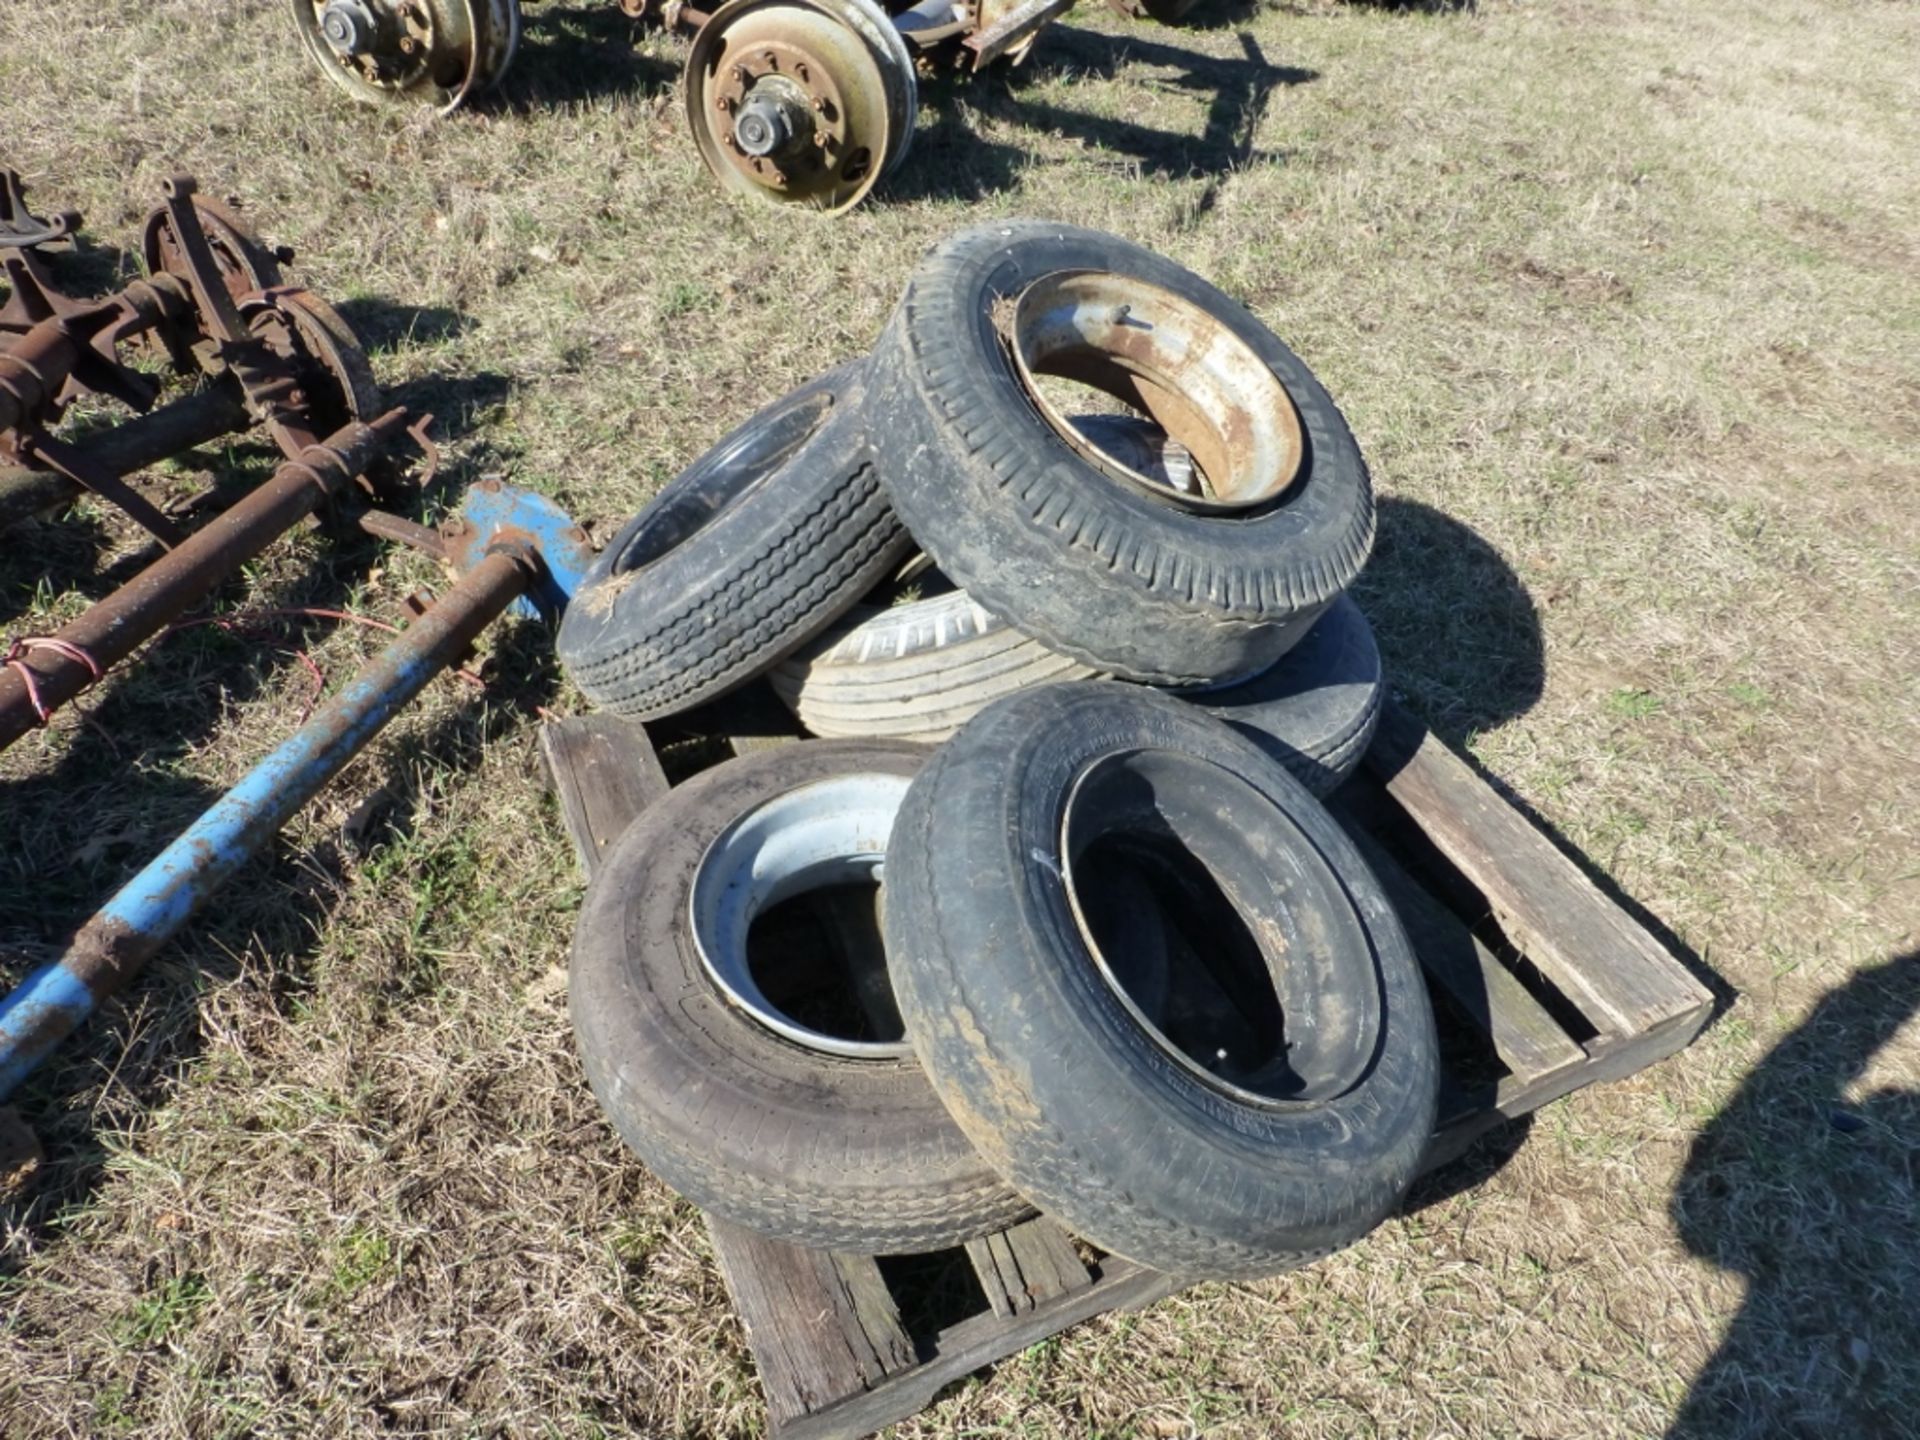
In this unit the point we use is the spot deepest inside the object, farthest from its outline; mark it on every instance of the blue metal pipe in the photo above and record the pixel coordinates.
(112, 947)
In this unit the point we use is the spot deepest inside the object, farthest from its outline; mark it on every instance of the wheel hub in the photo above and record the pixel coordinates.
(789, 123)
(349, 27)
(403, 52)
(795, 100)
(388, 46)
(774, 121)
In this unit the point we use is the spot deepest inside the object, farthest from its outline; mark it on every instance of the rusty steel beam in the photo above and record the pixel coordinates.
(34, 368)
(138, 610)
(184, 424)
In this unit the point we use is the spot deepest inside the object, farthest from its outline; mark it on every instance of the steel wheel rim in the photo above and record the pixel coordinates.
(833, 831)
(459, 47)
(1170, 359)
(316, 335)
(1320, 905)
(833, 85)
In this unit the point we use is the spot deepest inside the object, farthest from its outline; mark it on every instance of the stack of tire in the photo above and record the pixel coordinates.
(1080, 935)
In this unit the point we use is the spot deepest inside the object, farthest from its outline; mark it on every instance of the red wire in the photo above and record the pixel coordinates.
(24, 645)
(244, 620)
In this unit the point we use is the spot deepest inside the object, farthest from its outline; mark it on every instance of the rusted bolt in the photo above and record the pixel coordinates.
(741, 75)
(724, 105)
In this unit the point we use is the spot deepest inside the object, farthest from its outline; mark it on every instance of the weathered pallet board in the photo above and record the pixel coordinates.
(1473, 881)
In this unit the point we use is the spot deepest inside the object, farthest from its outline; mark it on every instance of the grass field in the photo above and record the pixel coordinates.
(1622, 297)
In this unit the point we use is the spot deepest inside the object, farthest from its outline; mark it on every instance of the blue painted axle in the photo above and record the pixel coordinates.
(509, 552)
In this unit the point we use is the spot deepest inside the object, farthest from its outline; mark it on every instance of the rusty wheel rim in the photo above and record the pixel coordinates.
(333, 368)
(1175, 363)
(246, 265)
(410, 52)
(803, 102)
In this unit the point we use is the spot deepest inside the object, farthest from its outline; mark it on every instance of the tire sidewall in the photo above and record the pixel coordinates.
(1104, 574)
(1058, 1071)
(707, 1096)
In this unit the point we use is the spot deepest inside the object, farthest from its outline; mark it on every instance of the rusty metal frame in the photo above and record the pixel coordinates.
(213, 304)
(195, 307)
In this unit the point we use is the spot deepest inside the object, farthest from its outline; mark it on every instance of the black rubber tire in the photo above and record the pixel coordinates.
(812, 1149)
(1116, 579)
(1054, 1080)
(920, 671)
(1316, 710)
(751, 551)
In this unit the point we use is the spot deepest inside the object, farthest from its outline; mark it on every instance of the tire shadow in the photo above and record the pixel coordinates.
(1811, 1198)
(950, 159)
(1459, 635)
(571, 53)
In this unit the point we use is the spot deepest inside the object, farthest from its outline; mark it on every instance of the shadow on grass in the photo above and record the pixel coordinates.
(970, 166)
(1485, 1158)
(1812, 1198)
(1420, 7)
(950, 160)
(1458, 632)
(385, 325)
(1213, 15)
(1461, 643)
(570, 53)
(81, 827)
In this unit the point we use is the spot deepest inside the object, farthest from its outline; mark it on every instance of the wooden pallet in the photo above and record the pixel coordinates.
(1541, 983)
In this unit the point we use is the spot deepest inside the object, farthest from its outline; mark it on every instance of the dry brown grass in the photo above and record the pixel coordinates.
(1627, 290)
